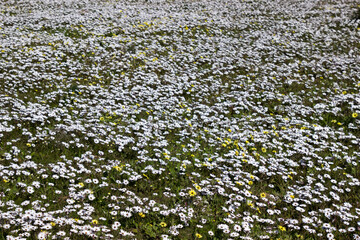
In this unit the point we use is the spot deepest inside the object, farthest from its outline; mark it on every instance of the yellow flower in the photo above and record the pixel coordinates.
(95, 221)
(192, 192)
(141, 214)
(283, 229)
(162, 224)
(354, 115)
(198, 235)
(81, 184)
(28, 144)
(117, 168)
(198, 187)
(263, 150)
(250, 182)
(263, 195)
(53, 224)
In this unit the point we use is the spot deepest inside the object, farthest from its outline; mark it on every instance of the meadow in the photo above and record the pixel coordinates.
(169, 119)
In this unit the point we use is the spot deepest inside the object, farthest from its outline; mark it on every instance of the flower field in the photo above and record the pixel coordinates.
(171, 119)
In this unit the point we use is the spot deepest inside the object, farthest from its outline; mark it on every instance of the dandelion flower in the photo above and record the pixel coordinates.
(192, 192)
(283, 229)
